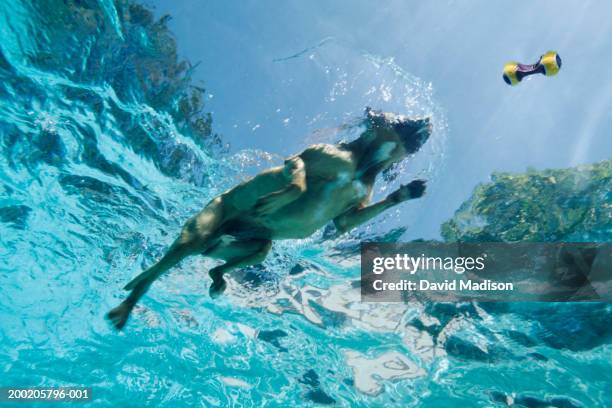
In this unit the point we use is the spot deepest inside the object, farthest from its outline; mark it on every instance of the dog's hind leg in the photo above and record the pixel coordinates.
(197, 235)
(246, 253)
(139, 285)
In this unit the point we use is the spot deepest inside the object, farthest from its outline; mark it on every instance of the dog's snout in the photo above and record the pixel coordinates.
(425, 127)
(414, 132)
(409, 127)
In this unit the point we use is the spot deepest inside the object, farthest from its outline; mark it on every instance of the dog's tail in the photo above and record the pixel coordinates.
(140, 284)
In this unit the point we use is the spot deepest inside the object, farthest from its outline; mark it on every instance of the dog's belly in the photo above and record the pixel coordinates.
(230, 247)
(235, 237)
(320, 204)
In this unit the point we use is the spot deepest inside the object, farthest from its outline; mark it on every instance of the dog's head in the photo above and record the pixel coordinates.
(411, 133)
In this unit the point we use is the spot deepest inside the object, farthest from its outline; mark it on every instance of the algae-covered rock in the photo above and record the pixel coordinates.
(75, 74)
(117, 43)
(565, 205)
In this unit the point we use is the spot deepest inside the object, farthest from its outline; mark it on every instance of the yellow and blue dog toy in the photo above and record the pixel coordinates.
(549, 64)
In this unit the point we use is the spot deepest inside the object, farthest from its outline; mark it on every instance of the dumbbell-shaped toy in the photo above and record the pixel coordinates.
(549, 64)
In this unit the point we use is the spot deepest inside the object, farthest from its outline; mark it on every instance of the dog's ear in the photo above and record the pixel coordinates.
(373, 118)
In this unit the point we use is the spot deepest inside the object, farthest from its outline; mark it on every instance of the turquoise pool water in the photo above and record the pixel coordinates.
(104, 153)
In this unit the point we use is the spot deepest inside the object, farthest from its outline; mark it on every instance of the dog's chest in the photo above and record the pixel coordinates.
(345, 184)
